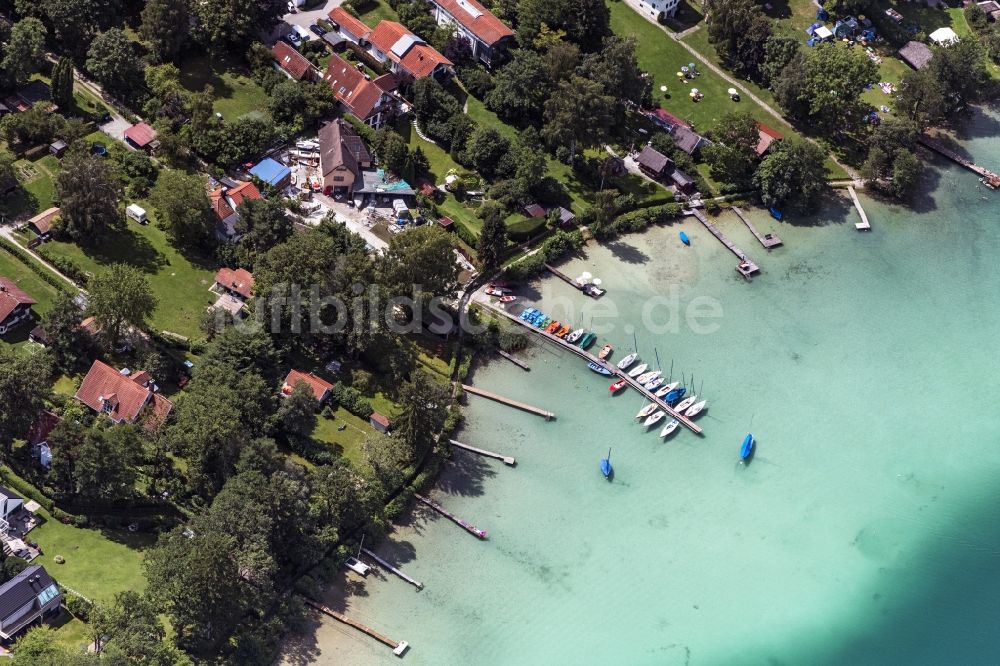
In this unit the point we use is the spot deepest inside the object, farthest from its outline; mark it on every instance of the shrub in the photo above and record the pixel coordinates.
(77, 606)
(18, 484)
(351, 399)
(39, 270)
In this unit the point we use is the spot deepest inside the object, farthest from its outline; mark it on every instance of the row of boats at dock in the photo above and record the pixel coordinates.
(579, 336)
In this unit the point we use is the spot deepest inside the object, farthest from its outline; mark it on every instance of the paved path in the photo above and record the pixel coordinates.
(303, 18)
(738, 85)
(355, 220)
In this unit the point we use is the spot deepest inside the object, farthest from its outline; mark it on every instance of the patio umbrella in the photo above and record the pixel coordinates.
(694, 90)
(663, 89)
(732, 91)
(693, 94)
(596, 282)
(680, 75)
(586, 275)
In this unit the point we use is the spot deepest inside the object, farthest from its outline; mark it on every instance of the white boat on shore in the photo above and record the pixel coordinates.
(356, 565)
(695, 408)
(575, 335)
(647, 377)
(663, 390)
(685, 403)
(646, 410)
(652, 419)
(638, 370)
(669, 428)
(627, 361)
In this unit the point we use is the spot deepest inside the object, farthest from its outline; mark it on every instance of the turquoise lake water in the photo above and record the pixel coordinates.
(865, 531)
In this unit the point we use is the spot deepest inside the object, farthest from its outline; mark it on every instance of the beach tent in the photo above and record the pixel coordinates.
(944, 37)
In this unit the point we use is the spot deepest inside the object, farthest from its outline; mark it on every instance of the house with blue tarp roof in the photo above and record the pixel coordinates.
(272, 172)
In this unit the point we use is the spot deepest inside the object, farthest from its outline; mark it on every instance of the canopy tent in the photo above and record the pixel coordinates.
(944, 37)
(823, 32)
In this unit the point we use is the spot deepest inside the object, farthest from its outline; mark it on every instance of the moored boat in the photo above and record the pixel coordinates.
(646, 411)
(588, 339)
(617, 386)
(653, 384)
(654, 418)
(552, 328)
(627, 361)
(638, 370)
(670, 427)
(695, 409)
(648, 376)
(684, 238)
(356, 565)
(508, 299)
(674, 395)
(562, 332)
(599, 369)
(685, 403)
(606, 468)
(747, 447)
(665, 389)
(575, 335)
(605, 352)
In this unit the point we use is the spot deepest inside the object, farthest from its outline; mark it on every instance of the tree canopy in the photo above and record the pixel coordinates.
(792, 175)
(120, 297)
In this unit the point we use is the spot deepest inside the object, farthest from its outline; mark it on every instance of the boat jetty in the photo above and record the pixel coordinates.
(507, 460)
(987, 177)
(398, 647)
(468, 527)
(589, 289)
(388, 567)
(767, 240)
(864, 224)
(746, 267)
(544, 413)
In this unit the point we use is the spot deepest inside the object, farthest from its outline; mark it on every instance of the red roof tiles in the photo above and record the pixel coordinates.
(140, 134)
(11, 296)
(290, 60)
(243, 192)
(122, 398)
(319, 386)
(476, 19)
(419, 60)
(43, 221)
(351, 88)
(348, 23)
(238, 280)
(221, 207)
(767, 137)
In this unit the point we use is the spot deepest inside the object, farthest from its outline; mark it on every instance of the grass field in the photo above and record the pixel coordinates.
(180, 282)
(98, 564)
(374, 11)
(348, 441)
(236, 94)
(14, 269)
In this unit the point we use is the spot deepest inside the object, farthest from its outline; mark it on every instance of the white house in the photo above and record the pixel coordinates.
(654, 10)
(485, 32)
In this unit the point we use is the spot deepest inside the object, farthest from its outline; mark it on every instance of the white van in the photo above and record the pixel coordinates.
(303, 34)
(136, 213)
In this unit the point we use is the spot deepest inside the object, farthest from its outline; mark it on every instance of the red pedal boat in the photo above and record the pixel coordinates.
(617, 386)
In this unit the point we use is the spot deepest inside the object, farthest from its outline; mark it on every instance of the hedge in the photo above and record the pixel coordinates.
(555, 247)
(13, 481)
(67, 267)
(37, 268)
(351, 399)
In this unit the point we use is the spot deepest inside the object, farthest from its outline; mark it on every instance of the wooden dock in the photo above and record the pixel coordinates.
(508, 460)
(416, 583)
(989, 179)
(544, 413)
(468, 527)
(746, 267)
(398, 647)
(615, 372)
(767, 240)
(513, 359)
(588, 289)
(863, 225)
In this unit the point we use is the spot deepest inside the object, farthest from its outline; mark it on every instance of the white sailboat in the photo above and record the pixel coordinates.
(655, 383)
(647, 377)
(638, 370)
(663, 390)
(669, 428)
(575, 335)
(646, 410)
(627, 361)
(652, 419)
(695, 408)
(685, 403)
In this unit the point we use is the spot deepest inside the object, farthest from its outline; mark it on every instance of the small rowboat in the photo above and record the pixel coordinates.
(647, 377)
(654, 384)
(497, 291)
(669, 428)
(653, 419)
(627, 361)
(588, 340)
(684, 238)
(663, 390)
(606, 468)
(562, 332)
(605, 352)
(575, 335)
(599, 369)
(746, 450)
(695, 408)
(508, 299)
(646, 411)
(637, 370)
(617, 386)
(551, 328)
(685, 403)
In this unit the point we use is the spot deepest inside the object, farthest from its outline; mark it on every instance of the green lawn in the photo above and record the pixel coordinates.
(374, 11)
(348, 441)
(13, 268)
(180, 282)
(236, 94)
(38, 187)
(71, 633)
(98, 564)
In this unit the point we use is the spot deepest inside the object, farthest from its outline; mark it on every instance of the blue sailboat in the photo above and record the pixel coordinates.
(606, 468)
(599, 369)
(746, 450)
(684, 238)
(675, 395)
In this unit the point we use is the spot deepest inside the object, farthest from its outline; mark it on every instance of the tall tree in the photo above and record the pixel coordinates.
(120, 298)
(297, 413)
(24, 51)
(67, 342)
(89, 194)
(129, 628)
(740, 30)
(24, 386)
(578, 114)
(104, 469)
(920, 97)
(492, 237)
(62, 83)
(66, 440)
(488, 152)
(165, 26)
(76, 22)
(224, 25)
(520, 87)
(961, 69)
(41, 646)
(424, 403)
(616, 67)
(184, 209)
(835, 79)
(263, 223)
(793, 174)
(733, 151)
(585, 22)
(113, 61)
(420, 262)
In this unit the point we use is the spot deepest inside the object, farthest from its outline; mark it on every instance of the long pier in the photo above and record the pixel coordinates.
(544, 413)
(990, 179)
(746, 267)
(611, 367)
(864, 224)
(513, 359)
(588, 289)
(508, 460)
(398, 647)
(416, 583)
(468, 527)
(767, 240)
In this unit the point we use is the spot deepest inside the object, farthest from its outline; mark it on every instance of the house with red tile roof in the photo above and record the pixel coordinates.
(41, 224)
(292, 63)
(224, 200)
(15, 306)
(349, 27)
(365, 100)
(123, 398)
(406, 54)
(320, 387)
(141, 137)
(235, 281)
(487, 34)
(767, 137)
(379, 422)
